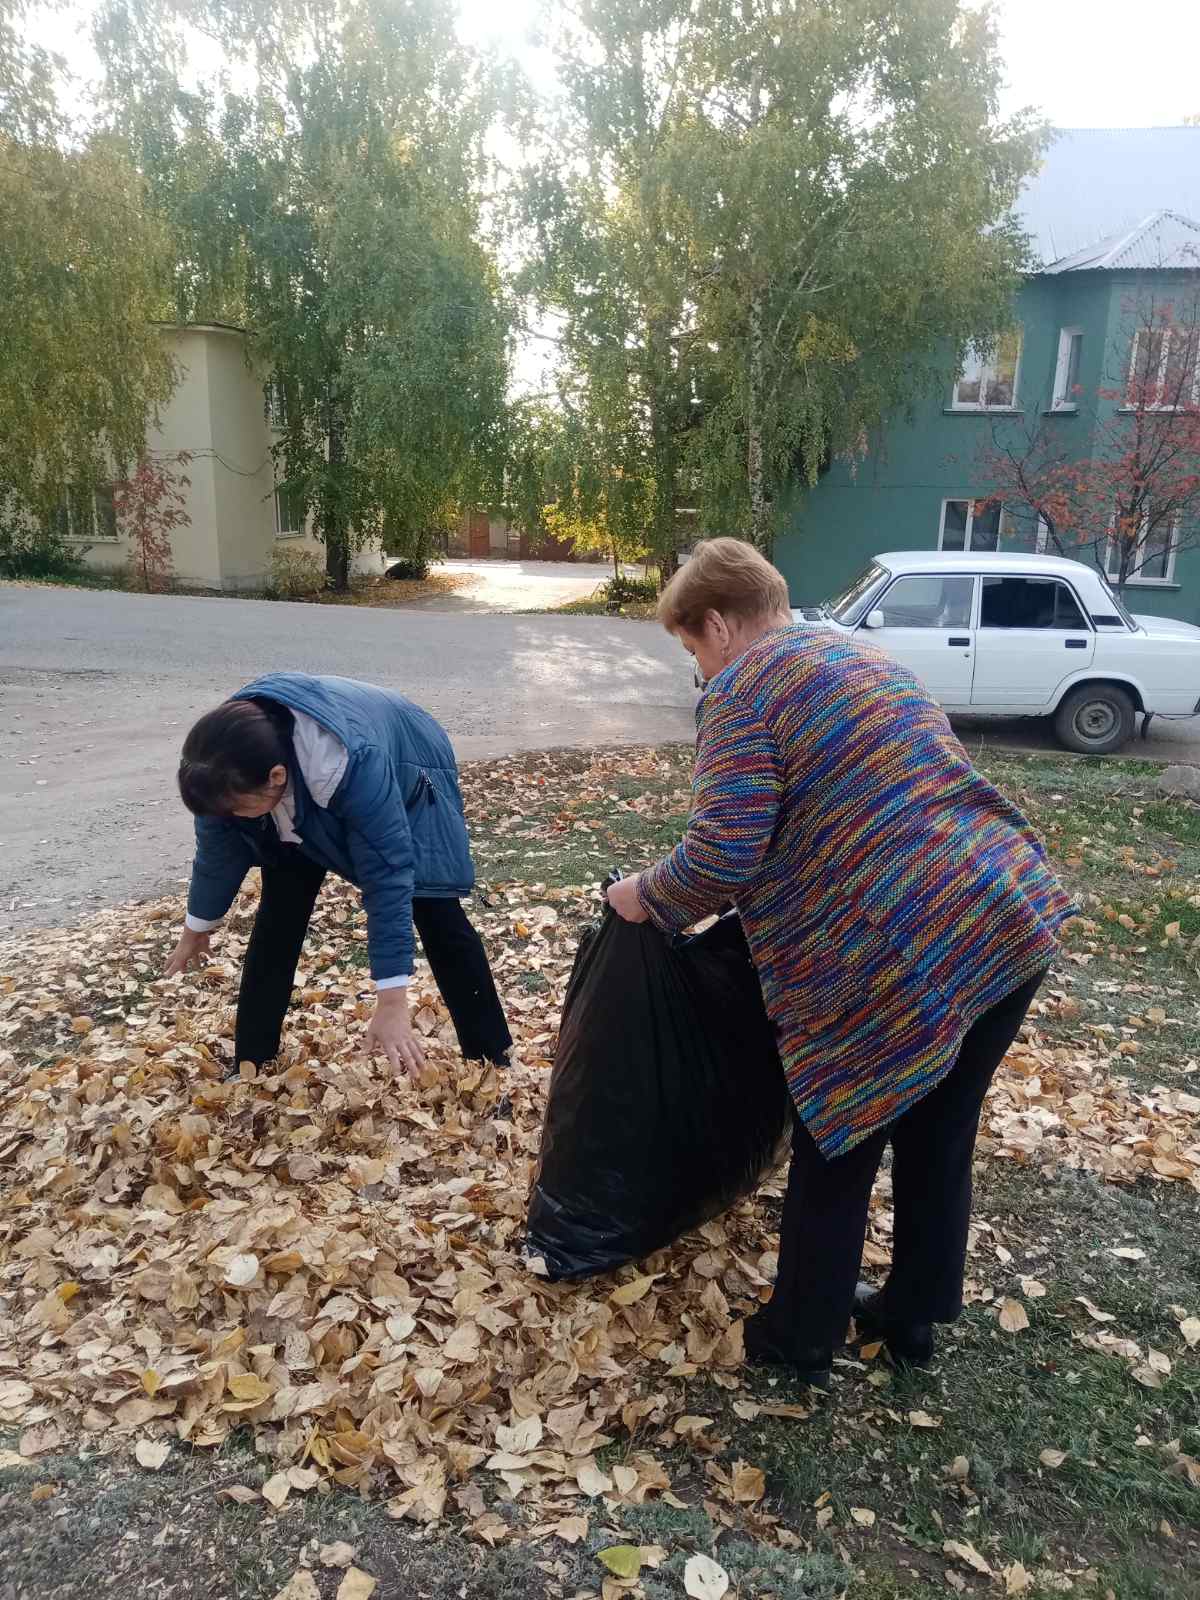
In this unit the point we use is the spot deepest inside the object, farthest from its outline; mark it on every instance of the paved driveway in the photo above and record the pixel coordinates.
(98, 689)
(517, 585)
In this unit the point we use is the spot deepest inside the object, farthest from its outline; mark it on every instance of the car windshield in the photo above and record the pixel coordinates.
(850, 605)
(1119, 605)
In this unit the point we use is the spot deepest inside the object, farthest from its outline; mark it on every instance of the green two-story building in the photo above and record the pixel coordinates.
(1114, 218)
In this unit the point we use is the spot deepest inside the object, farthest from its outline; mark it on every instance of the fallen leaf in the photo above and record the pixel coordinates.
(748, 1483)
(863, 1516)
(571, 1529)
(1016, 1579)
(1147, 1376)
(239, 1493)
(922, 1419)
(590, 1479)
(705, 1579)
(622, 1560)
(1094, 1311)
(276, 1490)
(1190, 1329)
(247, 1386)
(1053, 1458)
(959, 1469)
(300, 1586)
(1127, 1252)
(1013, 1316)
(151, 1453)
(338, 1554)
(357, 1585)
(968, 1555)
(630, 1293)
(241, 1270)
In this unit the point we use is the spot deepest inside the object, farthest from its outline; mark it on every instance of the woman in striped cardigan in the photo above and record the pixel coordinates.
(900, 913)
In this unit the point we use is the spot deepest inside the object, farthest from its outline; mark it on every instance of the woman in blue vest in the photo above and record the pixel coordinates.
(301, 776)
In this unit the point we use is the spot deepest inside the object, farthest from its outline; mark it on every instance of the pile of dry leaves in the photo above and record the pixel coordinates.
(333, 1257)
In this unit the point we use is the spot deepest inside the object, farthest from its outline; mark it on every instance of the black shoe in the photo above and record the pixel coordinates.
(910, 1344)
(764, 1349)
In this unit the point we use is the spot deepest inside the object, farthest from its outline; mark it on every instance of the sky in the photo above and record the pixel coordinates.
(1081, 63)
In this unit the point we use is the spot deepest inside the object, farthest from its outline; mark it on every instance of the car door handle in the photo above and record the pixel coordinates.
(958, 640)
(1076, 644)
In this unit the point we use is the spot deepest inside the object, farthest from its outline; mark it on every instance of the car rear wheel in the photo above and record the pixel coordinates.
(1095, 719)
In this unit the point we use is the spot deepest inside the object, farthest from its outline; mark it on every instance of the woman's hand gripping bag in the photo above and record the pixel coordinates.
(667, 1102)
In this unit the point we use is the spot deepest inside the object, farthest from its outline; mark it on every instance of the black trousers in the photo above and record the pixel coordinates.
(825, 1210)
(454, 950)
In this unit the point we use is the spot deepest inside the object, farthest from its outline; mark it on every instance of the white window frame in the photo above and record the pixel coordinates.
(1187, 334)
(1062, 400)
(280, 531)
(93, 537)
(971, 502)
(987, 370)
(1139, 580)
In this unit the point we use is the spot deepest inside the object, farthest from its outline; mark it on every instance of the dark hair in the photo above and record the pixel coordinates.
(230, 753)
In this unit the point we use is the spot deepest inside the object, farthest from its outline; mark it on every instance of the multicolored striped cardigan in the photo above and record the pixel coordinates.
(889, 893)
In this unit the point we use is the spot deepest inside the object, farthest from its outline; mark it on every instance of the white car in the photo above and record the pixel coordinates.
(1023, 635)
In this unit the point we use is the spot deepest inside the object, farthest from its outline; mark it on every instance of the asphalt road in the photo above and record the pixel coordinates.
(97, 690)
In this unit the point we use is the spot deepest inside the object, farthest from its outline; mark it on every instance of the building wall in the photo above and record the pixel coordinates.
(218, 416)
(242, 467)
(184, 424)
(892, 500)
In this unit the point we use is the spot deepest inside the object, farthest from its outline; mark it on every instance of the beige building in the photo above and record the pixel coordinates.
(237, 518)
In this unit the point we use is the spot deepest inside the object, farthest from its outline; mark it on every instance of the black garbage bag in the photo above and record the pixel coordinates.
(667, 1102)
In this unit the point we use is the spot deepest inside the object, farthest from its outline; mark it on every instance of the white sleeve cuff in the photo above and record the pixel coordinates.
(199, 925)
(401, 982)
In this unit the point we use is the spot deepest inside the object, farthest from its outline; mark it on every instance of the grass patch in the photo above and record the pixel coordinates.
(594, 606)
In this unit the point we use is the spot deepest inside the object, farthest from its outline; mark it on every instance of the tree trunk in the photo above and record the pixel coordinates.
(334, 529)
(616, 562)
(760, 514)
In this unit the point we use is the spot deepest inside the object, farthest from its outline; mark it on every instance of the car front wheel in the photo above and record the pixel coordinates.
(1095, 719)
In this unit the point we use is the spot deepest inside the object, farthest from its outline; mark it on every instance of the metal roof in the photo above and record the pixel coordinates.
(995, 561)
(1097, 185)
(1162, 240)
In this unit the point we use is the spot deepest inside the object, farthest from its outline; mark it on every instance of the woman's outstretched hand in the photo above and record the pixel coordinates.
(191, 951)
(623, 898)
(391, 1033)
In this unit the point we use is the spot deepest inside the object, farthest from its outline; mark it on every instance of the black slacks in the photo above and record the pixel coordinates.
(825, 1210)
(452, 946)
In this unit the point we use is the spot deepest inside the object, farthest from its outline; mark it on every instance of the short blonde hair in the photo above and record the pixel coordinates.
(725, 575)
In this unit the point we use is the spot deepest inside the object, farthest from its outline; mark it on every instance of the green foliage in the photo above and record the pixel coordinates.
(618, 535)
(335, 211)
(81, 274)
(772, 218)
(624, 591)
(32, 549)
(295, 573)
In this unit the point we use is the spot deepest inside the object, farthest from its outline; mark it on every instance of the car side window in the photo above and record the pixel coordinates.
(1029, 603)
(928, 600)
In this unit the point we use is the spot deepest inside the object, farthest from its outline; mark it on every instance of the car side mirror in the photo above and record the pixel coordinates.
(875, 619)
